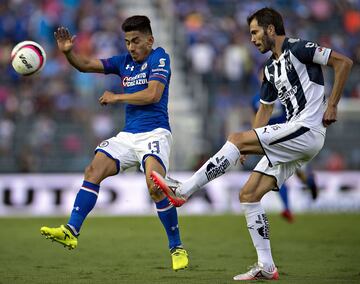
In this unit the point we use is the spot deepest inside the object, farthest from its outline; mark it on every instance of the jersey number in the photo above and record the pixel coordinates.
(154, 146)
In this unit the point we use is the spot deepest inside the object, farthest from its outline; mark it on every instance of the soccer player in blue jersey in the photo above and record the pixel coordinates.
(293, 74)
(146, 138)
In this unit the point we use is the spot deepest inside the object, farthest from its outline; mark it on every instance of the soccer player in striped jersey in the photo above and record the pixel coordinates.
(306, 176)
(146, 138)
(293, 74)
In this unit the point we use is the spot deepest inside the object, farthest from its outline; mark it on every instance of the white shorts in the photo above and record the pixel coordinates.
(129, 149)
(287, 147)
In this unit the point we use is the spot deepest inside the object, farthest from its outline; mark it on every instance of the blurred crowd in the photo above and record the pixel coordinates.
(51, 122)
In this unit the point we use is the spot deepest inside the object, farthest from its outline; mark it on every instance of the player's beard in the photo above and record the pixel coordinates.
(267, 42)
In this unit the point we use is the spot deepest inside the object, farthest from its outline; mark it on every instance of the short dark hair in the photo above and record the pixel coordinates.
(137, 23)
(268, 16)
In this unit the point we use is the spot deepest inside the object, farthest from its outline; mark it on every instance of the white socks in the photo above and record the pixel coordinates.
(258, 227)
(216, 166)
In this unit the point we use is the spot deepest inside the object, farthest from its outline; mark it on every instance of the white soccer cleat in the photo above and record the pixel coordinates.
(170, 188)
(257, 272)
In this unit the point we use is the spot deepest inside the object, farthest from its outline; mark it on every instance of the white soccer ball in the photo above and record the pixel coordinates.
(28, 57)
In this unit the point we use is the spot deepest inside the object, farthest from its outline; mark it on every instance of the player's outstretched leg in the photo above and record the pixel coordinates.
(216, 166)
(62, 235)
(170, 188)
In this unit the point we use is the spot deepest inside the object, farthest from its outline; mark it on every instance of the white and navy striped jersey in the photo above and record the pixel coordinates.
(296, 78)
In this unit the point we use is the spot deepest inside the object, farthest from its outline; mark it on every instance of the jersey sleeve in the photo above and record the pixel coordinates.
(268, 94)
(113, 64)
(310, 52)
(160, 67)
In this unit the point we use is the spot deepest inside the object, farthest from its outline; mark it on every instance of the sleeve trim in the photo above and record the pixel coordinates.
(267, 103)
(321, 55)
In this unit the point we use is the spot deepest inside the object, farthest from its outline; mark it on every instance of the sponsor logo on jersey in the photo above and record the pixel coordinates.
(139, 79)
(159, 70)
(285, 95)
(162, 62)
(279, 84)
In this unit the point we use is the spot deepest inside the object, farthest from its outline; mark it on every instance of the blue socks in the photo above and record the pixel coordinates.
(284, 196)
(84, 203)
(86, 200)
(168, 216)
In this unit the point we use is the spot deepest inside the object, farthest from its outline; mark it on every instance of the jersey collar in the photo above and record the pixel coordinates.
(283, 47)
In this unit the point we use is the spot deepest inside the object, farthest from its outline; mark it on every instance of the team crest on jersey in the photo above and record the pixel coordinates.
(143, 67)
(288, 65)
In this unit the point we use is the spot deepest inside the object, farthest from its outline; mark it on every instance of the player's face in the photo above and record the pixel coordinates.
(138, 44)
(260, 38)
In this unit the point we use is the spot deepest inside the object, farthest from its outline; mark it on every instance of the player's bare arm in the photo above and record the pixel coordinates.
(152, 94)
(342, 66)
(263, 115)
(65, 42)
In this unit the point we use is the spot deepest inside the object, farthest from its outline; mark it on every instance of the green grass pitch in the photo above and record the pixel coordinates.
(322, 248)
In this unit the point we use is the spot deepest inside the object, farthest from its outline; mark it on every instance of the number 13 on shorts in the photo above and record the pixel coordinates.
(154, 147)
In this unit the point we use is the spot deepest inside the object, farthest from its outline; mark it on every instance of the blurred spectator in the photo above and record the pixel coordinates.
(7, 130)
(56, 112)
(335, 162)
(42, 115)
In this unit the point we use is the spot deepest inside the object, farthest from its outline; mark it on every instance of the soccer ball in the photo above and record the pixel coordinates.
(28, 57)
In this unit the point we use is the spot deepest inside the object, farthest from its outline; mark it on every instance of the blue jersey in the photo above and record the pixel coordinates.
(279, 112)
(135, 77)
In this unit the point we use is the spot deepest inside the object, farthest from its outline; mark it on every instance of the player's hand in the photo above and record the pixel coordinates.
(64, 39)
(330, 116)
(107, 98)
(243, 159)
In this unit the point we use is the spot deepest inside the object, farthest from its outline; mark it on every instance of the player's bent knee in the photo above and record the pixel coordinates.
(246, 196)
(237, 139)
